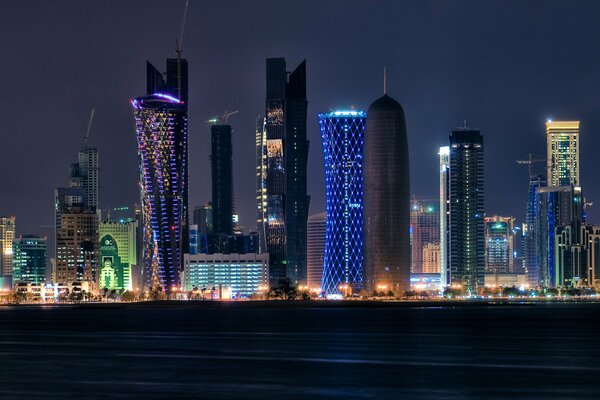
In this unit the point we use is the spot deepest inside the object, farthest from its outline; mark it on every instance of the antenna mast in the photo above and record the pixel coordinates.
(384, 79)
(179, 50)
(89, 128)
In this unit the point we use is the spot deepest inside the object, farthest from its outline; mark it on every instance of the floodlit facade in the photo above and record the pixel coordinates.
(118, 238)
(316, 232)
(562, 153)
(342, 134)
(430, 257)
(7, 235)
(161, 127)
(466, 208)
(242, 275)
(424, 231)
(282, 155)
(386, 198)
(29, 259)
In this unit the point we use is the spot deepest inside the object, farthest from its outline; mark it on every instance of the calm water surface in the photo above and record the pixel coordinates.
(299, 351)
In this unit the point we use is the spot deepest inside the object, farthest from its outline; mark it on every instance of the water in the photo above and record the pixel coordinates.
(282, 350)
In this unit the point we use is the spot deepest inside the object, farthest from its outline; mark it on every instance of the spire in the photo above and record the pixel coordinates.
(384, 80)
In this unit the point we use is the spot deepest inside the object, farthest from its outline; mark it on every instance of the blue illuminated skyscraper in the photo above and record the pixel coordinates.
(343, 137)
(161, 126)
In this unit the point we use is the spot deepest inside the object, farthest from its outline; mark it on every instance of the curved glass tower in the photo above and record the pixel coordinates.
(161, 126)
(343, 133)
(387, 198)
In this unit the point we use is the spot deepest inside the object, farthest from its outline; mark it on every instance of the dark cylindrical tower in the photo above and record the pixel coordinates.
(386, 198)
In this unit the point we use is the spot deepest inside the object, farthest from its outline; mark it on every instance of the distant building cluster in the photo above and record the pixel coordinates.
(372, 238)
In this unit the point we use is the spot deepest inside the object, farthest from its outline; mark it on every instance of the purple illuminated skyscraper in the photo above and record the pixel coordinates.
(161, 127)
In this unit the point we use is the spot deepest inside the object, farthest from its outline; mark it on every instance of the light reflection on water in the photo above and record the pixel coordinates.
(542, 351)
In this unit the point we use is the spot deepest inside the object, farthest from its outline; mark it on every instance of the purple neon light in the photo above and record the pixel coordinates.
(168, 97)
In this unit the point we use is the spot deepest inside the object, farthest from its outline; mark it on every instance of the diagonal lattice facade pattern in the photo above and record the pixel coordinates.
(161, 126)
(342, 134)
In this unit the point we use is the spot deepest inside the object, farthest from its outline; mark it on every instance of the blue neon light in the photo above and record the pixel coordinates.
(342, 134)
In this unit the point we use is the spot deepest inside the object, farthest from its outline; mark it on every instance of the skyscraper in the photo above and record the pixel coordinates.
(222, 179)
(444, 154)
(530, 257)
(29, 259)
(499, 244)
(342, 133)
(466, 207)
(562, 153)
(283, 201)
(317, 227)
(89, 168)
(386, 197)
(161, 126)
(425, 230)
(175, 83)
(556, 207)
(7, 235)
(203, 218)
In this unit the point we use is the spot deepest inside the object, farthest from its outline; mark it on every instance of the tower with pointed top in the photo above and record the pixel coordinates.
(386, 198)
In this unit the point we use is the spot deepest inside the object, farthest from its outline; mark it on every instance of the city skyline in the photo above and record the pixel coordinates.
(480, 96)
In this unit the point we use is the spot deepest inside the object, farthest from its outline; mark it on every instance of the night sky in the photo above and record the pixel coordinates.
(503, 66)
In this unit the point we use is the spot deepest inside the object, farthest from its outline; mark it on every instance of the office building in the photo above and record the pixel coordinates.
(562, 153)
(282, 152)
(77, 247)
(424, 231)
(556, 207)
(430, 259)
(161, 126)
(240, 275)
(386, 198)
(29, 259)
(466, 208)
(444, 155)
(89, 168)
(577, 255)
(342, 134)
(499, 244)
(118, 244)
(317, 227)
(530, 256)
(203, 218)
(221, 160)
(7, 235)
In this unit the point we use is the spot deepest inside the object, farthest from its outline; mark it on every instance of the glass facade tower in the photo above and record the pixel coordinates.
(466, 207)
(386, 198)
(282, 154)
(161, 126)
(342, 133)
(29, 259)
(222, 179)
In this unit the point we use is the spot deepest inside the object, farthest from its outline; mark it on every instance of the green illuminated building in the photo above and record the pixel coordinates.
(118, 253)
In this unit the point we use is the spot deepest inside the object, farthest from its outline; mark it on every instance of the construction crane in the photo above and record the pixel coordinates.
(86, 138)
(529, 160)
(222, 120)
(179, 50)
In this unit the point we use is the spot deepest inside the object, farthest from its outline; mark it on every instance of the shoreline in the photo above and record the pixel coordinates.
(304, 304)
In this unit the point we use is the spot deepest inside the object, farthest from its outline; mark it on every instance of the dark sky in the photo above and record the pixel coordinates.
(503, 66)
